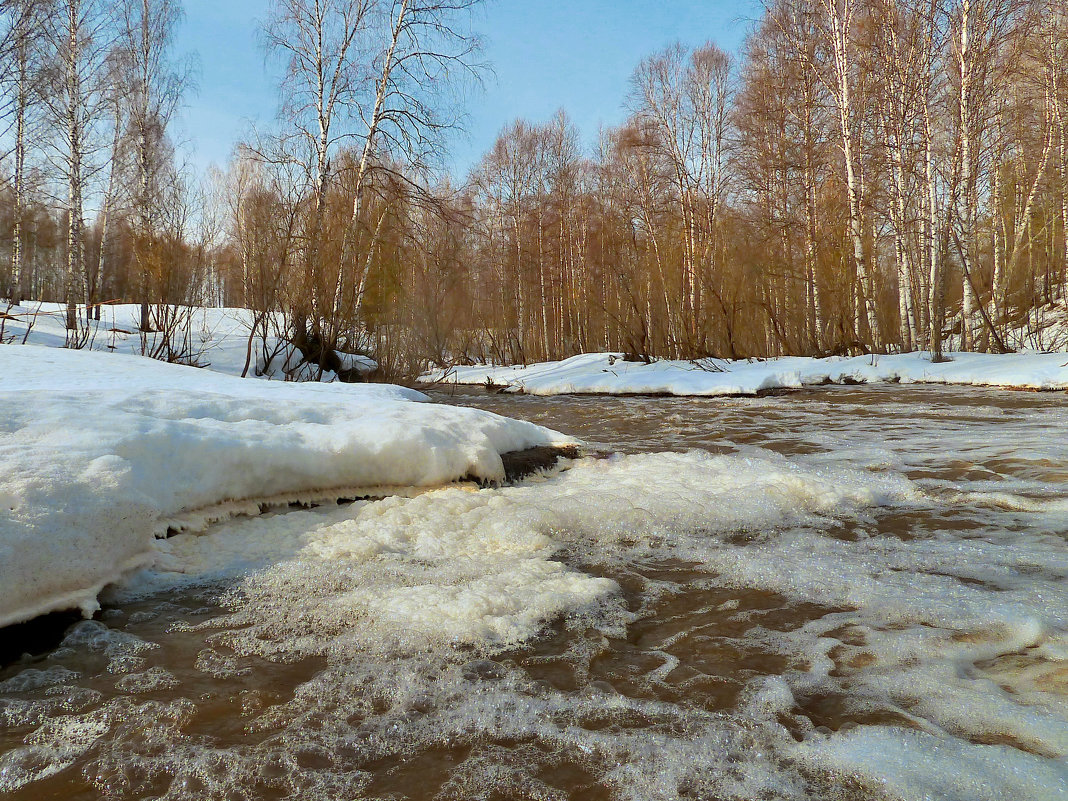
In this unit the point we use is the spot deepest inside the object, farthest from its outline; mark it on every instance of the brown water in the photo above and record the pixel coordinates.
(779, 631)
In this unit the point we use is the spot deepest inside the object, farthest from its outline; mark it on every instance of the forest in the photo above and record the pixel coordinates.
(863, 176)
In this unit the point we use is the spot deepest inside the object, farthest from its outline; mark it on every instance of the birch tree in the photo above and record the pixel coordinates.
(320, 41)
(897, 47)
(840, 77)
(81, 34)
(152, 84)
(20, 53)
(369, 77)
(422, 49)
(837, 61)
(986, 35)
(685, 96)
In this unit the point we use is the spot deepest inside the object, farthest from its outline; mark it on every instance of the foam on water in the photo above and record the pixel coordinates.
(513, 643)
(478, 568)
(55, 745)
(917, 765)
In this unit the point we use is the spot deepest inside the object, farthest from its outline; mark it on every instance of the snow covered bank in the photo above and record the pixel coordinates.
(608, 374)
(101, 452)
(215, 338)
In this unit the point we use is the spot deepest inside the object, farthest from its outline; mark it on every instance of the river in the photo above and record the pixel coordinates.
(847, 593)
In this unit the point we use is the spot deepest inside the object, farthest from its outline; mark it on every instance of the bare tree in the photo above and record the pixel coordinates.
(320, 41)
(81, 35)
(366, 76)
(685, 96)
(20, 52)
(115, 106)
(839, 30)
(152, 84)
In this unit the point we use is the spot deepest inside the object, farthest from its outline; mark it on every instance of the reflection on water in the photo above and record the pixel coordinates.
(861, 595)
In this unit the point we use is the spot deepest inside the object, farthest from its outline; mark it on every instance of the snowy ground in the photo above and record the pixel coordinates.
(608, 374)
(217, 339)
(99, 453)
(1043, 328)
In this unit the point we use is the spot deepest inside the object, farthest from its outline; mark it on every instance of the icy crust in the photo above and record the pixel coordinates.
(608, 374)
(98, 452)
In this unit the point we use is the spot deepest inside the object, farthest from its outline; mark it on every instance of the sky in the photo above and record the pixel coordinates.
(545, 55)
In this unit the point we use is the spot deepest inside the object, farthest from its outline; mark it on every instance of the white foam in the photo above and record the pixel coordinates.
(53, 746)
(915, 766)
(35, 679)
(477, 568)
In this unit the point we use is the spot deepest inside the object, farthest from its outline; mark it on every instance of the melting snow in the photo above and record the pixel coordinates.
(99, 453)
(608, 374)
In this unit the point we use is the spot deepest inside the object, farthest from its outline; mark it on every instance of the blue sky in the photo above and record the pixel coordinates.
(545, 54)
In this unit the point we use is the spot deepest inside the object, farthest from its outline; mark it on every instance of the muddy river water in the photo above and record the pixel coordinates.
(843, 593)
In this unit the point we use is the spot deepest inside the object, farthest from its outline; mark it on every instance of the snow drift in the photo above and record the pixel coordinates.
(608, 374)
(101, 453)
(215, 338)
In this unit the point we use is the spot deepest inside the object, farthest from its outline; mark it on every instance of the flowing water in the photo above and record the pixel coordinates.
(835, 594)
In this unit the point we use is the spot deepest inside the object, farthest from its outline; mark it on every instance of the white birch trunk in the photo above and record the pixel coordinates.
(73, 290)
(841, 13)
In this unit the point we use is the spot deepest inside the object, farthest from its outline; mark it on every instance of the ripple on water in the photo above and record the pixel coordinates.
(854, 594)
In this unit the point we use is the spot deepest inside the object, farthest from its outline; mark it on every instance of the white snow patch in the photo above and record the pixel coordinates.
(98, 452)
(608, 374)
(215, 338)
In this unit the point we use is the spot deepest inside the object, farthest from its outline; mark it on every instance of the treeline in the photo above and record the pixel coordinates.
(876, 175)
(866, 175)
(306, 224)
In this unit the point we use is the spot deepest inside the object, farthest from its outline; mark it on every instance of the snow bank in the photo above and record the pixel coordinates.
(215, 338)
(608, 374)
(99, 453)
